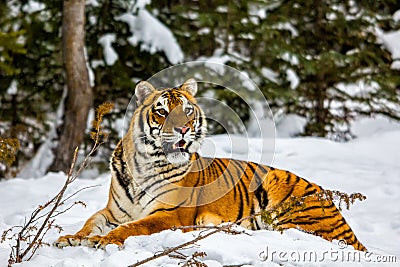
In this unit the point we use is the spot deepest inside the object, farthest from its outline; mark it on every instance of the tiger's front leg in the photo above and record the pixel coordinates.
(154, 223)
(99, 223)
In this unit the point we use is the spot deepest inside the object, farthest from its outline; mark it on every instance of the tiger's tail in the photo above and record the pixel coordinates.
(293, 202)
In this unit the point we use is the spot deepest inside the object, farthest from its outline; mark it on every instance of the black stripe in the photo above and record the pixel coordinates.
(310, 220)
(158, 151)
(310, 193)
(261, 196)
(140, 195)
(343, 234)
(255, 174)
(240, 214)
(114, 192)
(207, 171)
(168, 209)
(351, 240)
(158, 181)
(226, 171)
(160, 194)
(308, 186)
(119, 206)
(343, 222)
(123, 180)
(318, 207)
(137, 167)
(238, 186)
(113, 217)
(226, 174)
(292, 187)
(259, 193)
(263, 168)
(215, 168)
(316, 218)
(108, 221)
(238, 166)
(200, 174)
(218, 163)
(305, 209)
(288, 177)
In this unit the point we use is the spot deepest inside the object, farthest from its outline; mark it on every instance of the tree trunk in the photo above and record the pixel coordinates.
(79, 92)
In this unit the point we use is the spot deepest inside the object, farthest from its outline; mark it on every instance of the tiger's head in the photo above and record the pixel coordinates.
(171, 123)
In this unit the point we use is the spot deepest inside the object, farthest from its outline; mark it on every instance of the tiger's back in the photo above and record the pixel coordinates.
(247, 188)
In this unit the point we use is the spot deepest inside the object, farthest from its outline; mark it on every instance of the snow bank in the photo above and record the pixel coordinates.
(368, 165)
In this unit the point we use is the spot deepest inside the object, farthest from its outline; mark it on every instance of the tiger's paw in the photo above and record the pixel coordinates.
(100, 242)
(69, 241)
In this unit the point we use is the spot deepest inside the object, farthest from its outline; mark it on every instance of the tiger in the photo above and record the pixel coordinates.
(159, 181)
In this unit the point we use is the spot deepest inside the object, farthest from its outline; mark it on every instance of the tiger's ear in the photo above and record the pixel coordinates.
(190, 86)
(143, 90)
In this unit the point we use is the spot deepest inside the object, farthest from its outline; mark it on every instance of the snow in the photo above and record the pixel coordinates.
(110, 56)
(270, 74)
(93, 3)
(287, 26)
(152, 35)
(43, 158)
(13, 88)
(290, 125)
(391, 40)
(292, 78)
(368, 164)
(142, 3)
(90, 70)
(33, 6)
(396, 15)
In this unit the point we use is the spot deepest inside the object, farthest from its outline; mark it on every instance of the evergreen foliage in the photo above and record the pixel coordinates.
(331, 44)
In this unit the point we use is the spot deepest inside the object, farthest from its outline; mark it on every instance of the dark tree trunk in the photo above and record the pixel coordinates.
(79, 96)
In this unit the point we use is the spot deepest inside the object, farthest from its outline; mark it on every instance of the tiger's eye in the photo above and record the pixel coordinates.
(188, 110)
(162, 112)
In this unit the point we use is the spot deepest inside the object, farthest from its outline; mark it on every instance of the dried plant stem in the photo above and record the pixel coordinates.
(30, 232)
(58, 199)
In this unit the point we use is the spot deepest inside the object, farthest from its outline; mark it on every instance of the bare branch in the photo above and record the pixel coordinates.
(32, 232)
(201, 236)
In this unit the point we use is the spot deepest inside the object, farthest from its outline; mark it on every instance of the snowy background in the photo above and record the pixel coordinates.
(367, 164)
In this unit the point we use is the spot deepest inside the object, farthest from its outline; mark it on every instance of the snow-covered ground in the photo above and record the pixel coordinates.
(368, 164)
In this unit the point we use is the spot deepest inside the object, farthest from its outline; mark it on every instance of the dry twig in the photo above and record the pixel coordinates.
(202, 235)
(42, 219)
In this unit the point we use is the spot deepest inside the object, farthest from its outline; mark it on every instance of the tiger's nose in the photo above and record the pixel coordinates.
(182, 130)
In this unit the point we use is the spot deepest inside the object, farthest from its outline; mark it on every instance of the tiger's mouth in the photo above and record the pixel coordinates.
(180, 146)
(177, 152)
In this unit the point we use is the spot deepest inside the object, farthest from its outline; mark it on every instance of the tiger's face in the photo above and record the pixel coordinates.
(175, 124)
